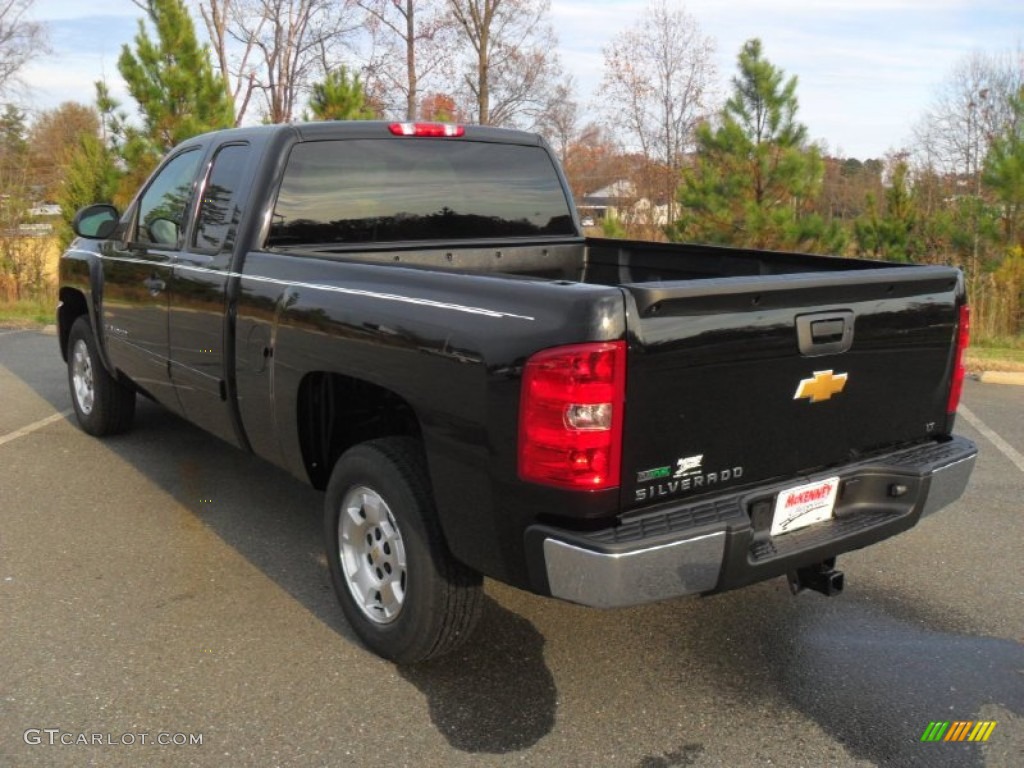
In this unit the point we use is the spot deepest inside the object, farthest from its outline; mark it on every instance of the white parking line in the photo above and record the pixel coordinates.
(34, 426)
(990, 434)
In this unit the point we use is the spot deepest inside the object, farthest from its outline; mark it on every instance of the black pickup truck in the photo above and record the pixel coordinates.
(408, 317)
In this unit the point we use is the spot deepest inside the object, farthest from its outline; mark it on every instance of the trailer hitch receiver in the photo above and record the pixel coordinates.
(821, 577)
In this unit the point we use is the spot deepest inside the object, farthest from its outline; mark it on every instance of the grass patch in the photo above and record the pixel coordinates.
(27, 313)
(996, 355)
(1000, 342)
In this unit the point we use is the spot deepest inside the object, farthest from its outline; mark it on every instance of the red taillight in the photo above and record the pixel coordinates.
(428, 130)
(963, 335)
(570, 416)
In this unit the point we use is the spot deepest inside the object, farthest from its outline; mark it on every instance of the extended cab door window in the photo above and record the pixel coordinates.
(219, 210)
(198, 294)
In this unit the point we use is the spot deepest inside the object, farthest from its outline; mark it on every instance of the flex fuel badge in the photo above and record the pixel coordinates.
(683, 467)
(653, 474)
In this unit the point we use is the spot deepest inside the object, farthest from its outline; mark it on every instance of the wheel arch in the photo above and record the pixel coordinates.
(71, 305)
(335, 412)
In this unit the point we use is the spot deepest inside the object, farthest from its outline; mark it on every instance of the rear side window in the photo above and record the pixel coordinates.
(390, 190)
(219, 210)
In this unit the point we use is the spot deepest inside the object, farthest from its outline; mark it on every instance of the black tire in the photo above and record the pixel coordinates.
(103, 405)
(417, 602)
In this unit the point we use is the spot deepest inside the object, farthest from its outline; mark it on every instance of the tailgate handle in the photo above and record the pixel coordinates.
(827, 330)
(824, 333)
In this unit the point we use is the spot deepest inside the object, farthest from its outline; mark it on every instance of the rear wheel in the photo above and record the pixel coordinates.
(401, 590)
(103, 405)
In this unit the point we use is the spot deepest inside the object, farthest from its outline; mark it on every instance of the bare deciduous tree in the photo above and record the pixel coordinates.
(511, 59)
(969, 110)
(20, 40)
(593, 161)
(414, 42)
(560, 120)
(657, 79)
(55, 136)
(279, 47)
(970, 107)
(235, 67)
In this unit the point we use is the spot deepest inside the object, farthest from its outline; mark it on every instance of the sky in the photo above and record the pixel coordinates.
(867, 69)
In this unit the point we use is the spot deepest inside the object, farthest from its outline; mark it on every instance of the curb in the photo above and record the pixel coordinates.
(1001, 377)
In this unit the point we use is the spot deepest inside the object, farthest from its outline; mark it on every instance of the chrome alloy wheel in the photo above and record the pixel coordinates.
(81, 377)
(372, 554)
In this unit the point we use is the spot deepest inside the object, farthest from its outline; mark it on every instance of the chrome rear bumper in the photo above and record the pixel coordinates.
(622, 566)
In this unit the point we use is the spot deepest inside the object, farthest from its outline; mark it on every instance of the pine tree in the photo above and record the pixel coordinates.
(1004, 172)
(340, 97)
(172, 80)
(91, 176)
(891, 234)
(755, 177)
(14, 175)
(22, 257)
(13, 156)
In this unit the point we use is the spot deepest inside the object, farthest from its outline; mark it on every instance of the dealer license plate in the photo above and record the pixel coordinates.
(804, 505)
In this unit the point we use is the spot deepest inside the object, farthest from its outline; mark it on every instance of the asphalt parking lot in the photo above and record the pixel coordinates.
(160, 589)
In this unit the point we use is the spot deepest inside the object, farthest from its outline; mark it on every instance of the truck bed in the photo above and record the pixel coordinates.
(599, 261)
(720, 341)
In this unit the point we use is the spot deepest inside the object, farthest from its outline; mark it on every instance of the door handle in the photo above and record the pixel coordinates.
(193, 259)
(154, 285)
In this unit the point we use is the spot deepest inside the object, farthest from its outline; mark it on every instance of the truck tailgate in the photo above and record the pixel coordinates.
(738, 380)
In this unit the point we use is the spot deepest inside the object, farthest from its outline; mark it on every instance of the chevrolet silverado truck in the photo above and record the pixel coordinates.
(407, 316)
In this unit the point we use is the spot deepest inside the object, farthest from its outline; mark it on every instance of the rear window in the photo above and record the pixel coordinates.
(390, 190)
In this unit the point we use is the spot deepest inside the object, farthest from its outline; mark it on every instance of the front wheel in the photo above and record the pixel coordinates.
(400, 588)
(103, 405)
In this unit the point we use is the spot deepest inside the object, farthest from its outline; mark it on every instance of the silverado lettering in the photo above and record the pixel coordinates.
(408, 317)
(691, 482)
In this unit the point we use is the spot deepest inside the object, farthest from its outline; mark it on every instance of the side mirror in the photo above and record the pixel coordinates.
(96, 222)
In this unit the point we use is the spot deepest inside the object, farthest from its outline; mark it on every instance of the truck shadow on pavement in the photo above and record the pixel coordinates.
(495, 695)
(873, 671)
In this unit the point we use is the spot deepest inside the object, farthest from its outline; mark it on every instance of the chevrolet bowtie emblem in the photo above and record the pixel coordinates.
(821, 387)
